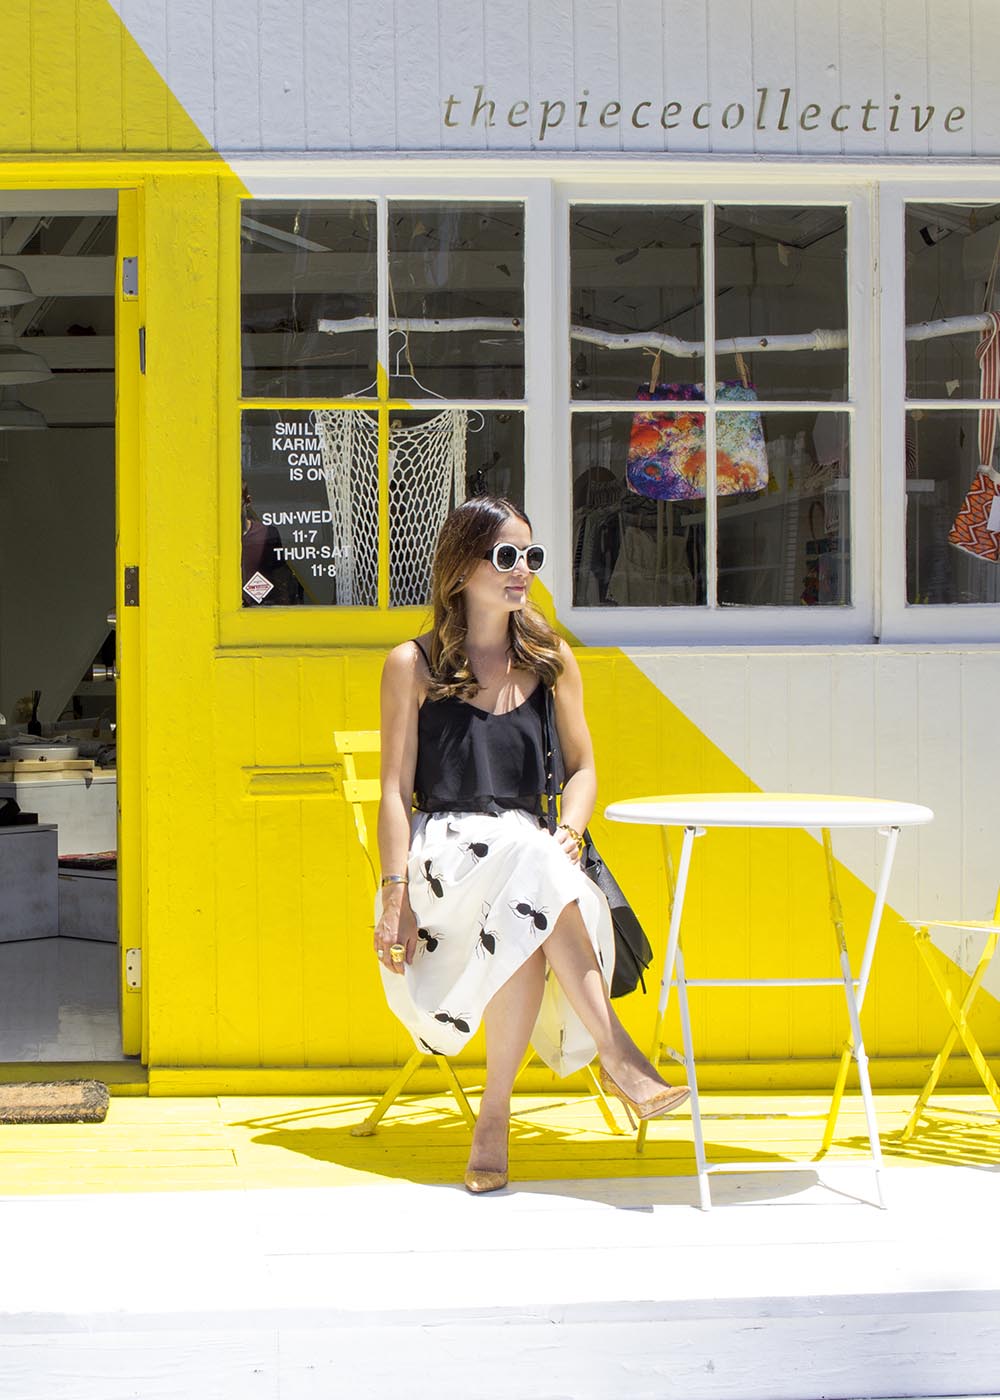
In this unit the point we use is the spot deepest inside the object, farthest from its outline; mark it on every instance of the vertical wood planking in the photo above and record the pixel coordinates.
(729, 33)
(507, 66)
(897, 775)
(596, 76)
(190, 70)
(373, 76)
(145, 96)
(237, 69)
(16, 133)
(327, 845)
(552, 75)
(978, 760)
(100, 104)
(53, 77)
(280, 864)
(949, 71)
(420, 110)
(984, 35)
(282, 75)
(817, 74)
(686, 57)
(327, 69)
(906, 72)
(861, 66)
(769, 917)
(640, 60)
(773, 50)
(239, 994)
(462, 51)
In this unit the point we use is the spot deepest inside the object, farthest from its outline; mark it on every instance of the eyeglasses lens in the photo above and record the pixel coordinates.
(535, 558)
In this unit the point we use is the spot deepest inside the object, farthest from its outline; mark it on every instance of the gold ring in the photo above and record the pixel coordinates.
(397, 952)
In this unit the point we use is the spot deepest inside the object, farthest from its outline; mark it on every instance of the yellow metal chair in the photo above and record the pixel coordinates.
(357, 792)
(958, 1011)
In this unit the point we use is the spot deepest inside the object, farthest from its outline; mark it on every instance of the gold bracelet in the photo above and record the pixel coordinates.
(394, 880)
(565, 826)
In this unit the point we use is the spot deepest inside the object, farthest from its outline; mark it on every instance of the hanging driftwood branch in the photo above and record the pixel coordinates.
(656, 340)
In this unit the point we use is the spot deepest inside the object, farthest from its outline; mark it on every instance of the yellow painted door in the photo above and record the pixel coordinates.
(129, 352)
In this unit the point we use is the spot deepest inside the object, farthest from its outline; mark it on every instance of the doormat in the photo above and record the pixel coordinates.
(71, 1101)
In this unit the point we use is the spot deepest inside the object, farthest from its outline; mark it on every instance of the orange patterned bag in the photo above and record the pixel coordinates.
(977, 524)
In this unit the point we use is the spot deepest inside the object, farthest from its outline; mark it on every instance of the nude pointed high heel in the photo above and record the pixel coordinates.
(653, 1107)
(480, 1181)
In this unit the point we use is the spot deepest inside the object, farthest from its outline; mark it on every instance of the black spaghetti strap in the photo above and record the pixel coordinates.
(423, 653)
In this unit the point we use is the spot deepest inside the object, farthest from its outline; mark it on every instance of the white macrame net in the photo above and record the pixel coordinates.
(426, 477)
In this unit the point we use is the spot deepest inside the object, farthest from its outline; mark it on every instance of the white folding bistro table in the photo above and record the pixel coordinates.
(695, 813)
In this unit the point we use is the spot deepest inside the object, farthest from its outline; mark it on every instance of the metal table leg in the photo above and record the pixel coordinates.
(854, 992)
(676, 889)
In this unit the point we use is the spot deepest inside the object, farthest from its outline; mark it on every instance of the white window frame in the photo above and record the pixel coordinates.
(547, 189)
(748, 626)
(902, 621)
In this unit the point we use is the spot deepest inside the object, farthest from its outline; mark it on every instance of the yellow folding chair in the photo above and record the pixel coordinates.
(958, 1011)
(357, 791)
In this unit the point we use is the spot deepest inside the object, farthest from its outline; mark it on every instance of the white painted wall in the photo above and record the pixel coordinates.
(916, 724)
(376, 75)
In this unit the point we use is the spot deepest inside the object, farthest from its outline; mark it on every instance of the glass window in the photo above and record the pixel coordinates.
(456, 300)
(951, 252)
(302, 264)
(342, 501)
(952, 352)
(778, 530)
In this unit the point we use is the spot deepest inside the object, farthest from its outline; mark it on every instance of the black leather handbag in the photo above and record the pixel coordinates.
(632, 951)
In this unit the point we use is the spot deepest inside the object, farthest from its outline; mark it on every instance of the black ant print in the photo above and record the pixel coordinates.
(523, 910)
(429, 1048)
(477, 849)
(459, 1022)
(436, 887)
(428, 939)
(487, 941)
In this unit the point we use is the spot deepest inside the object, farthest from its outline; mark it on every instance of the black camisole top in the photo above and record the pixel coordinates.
(469, 760)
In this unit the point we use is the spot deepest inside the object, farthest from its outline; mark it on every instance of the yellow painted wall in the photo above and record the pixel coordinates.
(248, 894)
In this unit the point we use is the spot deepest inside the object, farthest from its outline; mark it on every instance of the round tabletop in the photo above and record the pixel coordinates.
(767, 809)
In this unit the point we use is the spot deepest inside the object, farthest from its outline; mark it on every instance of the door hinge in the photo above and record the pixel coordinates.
(131, 585)
(142, 349)
(133, 969)
(130, 279)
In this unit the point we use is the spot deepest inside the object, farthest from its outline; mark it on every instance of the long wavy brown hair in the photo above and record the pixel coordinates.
(468, 533)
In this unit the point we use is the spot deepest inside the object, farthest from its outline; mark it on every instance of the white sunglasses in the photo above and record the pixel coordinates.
(504, 557)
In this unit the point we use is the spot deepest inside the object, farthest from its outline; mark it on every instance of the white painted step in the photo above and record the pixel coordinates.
(787, 1290)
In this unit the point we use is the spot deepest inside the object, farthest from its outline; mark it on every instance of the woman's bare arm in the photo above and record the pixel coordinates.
(400, 702)
(580, 789)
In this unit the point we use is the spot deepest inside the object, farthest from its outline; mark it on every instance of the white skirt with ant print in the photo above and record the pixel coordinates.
(486, 891)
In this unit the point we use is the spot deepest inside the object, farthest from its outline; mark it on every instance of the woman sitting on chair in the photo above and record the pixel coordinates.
(478, 899)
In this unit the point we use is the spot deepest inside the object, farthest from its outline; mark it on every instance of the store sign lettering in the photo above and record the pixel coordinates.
(772, 109)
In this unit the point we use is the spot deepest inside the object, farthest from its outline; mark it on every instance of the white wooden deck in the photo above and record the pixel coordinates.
(558, 1290)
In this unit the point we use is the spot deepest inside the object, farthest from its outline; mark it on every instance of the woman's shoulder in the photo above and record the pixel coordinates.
(406, 665)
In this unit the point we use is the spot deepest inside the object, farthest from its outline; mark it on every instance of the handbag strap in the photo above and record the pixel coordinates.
(549, 738)
(988, 355)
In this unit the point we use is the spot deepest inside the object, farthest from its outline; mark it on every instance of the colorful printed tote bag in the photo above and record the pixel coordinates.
(666, 451)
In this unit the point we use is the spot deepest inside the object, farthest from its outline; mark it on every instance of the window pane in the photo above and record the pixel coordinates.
(942, 461)
(783, 272)
(789, 542)
(310, 508)
(636, 271)
(632, 549)
(451, 263)
(950, 250)
(436, 460)
(303, 264)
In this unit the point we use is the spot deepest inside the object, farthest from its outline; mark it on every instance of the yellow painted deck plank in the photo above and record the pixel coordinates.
(268, 1142)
